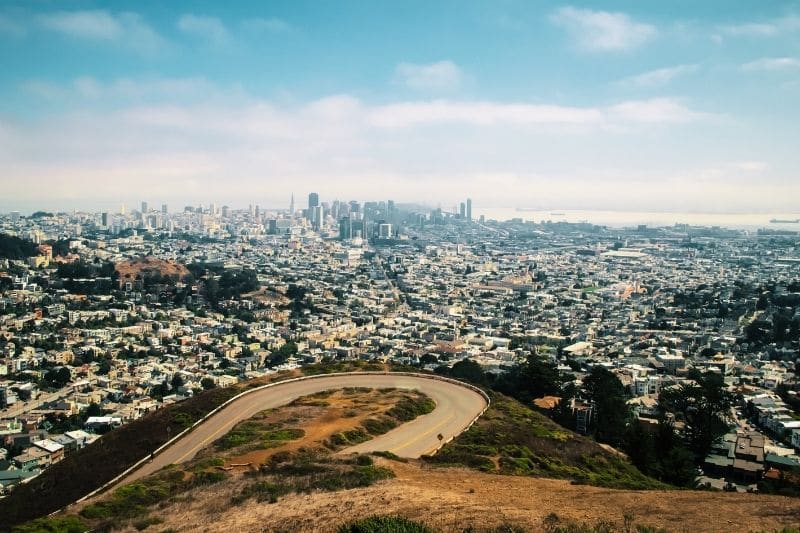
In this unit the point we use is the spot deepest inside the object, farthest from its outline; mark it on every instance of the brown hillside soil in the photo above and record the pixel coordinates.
(146, 266)
(452, 499)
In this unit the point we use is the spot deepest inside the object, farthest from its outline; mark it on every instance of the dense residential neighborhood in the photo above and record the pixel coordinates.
(105, 317)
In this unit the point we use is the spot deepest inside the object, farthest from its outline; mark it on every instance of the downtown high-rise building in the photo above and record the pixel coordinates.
(469, 209)
(313, 201)
(144, 207)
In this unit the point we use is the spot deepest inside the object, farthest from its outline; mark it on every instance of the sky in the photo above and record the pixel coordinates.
(621, 105)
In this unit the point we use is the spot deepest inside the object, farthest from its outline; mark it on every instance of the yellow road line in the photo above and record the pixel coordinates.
(424, 434)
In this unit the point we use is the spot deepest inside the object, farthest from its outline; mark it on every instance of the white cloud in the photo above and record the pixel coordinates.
(771, 28)
(772, 64)
(208, 28)
(84, 24)
(408, 114)
(442, 75)
(656, 110)
(244, 148)
(126, 28)
(268, 25)
(602, 31)
(658, 77)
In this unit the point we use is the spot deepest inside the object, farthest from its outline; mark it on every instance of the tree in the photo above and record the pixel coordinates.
(428, 359)
(641, 448)
(207, 383)
(611, 412)
(468, 370)
(160, 390)
(702, 407)
(536, 377)
(177, 382)
(562, 411)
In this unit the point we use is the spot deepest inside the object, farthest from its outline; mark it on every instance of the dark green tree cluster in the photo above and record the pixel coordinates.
(702, 407)
(673, 456)
(15, 248)
(282, 354)
(532, 378)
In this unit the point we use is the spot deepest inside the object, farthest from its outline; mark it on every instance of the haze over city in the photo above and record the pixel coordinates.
(620, 106)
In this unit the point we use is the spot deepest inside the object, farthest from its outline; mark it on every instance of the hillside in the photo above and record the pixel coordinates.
(515, 440)
(282, 471)
(150, 267)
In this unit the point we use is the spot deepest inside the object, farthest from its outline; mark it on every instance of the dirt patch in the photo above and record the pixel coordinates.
(144, 267)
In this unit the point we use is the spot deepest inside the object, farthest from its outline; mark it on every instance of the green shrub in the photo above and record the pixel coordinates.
(391, 456)
(408, 409)
(384, 524)
(67, 524)
(379, 426)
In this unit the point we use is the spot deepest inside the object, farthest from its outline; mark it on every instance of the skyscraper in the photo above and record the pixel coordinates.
(345, 228)
(144, 207)
(462, 211)
(469, 209)
(313, 200)
(291, 205)
(164, 209)
(316, 216)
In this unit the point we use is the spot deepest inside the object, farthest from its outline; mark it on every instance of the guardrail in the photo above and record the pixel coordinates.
(223, 405)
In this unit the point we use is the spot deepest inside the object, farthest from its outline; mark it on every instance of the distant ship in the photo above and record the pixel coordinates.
(786, 221)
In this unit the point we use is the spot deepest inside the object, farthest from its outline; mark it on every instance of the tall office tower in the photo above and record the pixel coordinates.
(313, 201)
(122, 210)
(104, 219)
(355, 207)
(258, 211)
(345, 228)
(212, 209)
(469, 209)
(251, 210)
(164, 209)
(316, 217)
(291, 205)
(226, 211)
(462, 211)
(144, 207)
(390, 209)
(385, 231)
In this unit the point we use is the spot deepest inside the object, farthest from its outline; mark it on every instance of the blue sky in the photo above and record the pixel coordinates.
(616, 105)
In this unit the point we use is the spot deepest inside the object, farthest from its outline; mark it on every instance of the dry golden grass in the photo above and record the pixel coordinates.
(450, 499)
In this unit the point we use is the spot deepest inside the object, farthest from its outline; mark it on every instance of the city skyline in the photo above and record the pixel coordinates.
(614, 105)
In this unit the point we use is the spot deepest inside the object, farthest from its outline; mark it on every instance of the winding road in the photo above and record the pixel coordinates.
(457, 405)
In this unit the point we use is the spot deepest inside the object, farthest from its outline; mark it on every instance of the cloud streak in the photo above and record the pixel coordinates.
(602, 31)
(209, 29)
(772, 64)
(126, 28)
(659, 77)
(439, 76)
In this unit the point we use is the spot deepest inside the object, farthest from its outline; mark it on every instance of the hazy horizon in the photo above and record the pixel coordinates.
(616, 105)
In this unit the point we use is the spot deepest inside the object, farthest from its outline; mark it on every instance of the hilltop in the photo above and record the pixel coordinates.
(283, 471)
(150, 267)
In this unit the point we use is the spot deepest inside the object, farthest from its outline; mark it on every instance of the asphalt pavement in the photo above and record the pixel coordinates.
(456, 407)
